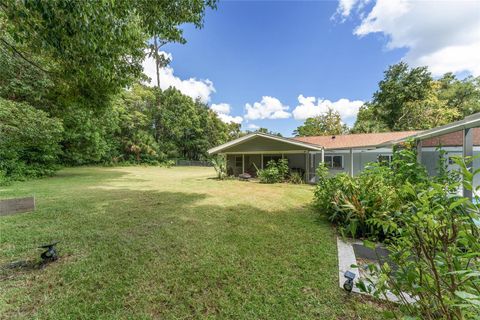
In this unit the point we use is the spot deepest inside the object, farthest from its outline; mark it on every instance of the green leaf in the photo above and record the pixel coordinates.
(369, 244)
(472, 298)
(458, 203)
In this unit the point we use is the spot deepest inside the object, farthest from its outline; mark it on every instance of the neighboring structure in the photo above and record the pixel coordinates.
(350, 153)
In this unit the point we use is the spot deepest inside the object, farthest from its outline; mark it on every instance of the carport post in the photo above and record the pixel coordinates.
(323, 156)
(243, 162)
(261, 161)
(351, 162)
(419, 151)
(468, 152)
(307, 171)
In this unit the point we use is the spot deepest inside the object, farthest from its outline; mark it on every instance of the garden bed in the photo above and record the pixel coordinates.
(353, 256)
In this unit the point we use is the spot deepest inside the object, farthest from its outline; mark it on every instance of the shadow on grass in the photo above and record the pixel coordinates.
(151, 254)
(90, 172)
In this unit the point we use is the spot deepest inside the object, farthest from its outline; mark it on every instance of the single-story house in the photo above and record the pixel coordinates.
(349, 153)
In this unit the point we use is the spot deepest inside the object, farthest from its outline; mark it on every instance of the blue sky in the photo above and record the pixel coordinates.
(330, 54)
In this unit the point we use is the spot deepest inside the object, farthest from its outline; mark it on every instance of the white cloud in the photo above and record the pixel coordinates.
(221, 108)
(223, 112)
(191, 87)
(253, 126)
(267, 108)
(228, 118)
(345, 7)
(310, 107)
(444, 35)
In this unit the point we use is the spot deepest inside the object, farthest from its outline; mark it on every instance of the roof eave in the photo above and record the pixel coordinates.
(249, 136)
(467, 123)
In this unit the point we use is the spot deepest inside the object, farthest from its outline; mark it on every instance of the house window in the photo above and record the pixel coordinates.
(334, 162)
(385, 158)
(238, 161)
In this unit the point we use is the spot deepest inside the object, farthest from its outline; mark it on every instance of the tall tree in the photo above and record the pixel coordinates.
(410, 99)
(265, 130)
(93, 48)
(329, 123)
(462, 95)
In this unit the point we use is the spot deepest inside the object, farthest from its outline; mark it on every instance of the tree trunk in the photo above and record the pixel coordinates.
(157, 61)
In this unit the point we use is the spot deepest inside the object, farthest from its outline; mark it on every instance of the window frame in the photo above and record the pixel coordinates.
(241, 161)
(390, 158)
(331, 156)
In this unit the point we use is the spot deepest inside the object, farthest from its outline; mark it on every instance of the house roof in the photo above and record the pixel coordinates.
(447, 133)
(359, 140)
(250, 136)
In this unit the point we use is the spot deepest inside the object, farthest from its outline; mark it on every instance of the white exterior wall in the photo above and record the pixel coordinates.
(360, 159)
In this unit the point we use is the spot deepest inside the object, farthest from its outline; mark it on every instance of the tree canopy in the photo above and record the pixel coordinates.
(329, 123)
(92, 48)
(71, 92)
(411, 99)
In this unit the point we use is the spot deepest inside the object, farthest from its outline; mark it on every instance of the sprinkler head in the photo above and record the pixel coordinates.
(348, 285)
(51, 252)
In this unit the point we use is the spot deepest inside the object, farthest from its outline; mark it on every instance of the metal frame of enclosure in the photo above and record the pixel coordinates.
(466, 126)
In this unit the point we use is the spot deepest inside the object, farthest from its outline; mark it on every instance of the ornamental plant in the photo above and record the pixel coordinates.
(368, 205)
(220, 165)
(276, 171)
(435, 256)
(364, 206)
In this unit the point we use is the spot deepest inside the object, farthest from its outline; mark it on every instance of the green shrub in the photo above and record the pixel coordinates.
(276, 171)
(220, 166)
(367, 205)
(167, 163)
(361, 206)
(296, 178)
(432, 232)
(30, 141)
(283, 170)
(436, 252)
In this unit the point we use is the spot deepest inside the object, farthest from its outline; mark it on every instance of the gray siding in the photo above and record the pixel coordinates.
(430, 161)
(360, 160)
(296, 160)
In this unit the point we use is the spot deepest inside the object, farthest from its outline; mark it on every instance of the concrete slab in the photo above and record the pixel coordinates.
(347, 258)
(17, 205)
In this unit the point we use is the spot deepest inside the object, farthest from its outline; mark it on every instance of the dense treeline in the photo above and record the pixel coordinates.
(411, 99)
(139, 125)
(71, 92)
(406, 99)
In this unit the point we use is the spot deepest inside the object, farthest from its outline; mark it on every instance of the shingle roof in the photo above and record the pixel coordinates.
(357, 140)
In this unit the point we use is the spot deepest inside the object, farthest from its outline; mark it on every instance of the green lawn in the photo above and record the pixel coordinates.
(147, 242)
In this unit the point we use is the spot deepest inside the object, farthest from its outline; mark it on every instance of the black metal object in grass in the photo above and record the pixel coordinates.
(348, 285)
(50, 254)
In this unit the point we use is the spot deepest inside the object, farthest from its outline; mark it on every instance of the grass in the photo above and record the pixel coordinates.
(147, 242)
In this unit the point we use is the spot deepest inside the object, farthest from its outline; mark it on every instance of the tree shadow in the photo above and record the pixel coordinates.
(125, 251)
